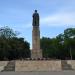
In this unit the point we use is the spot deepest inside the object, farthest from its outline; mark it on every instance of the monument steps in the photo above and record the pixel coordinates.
(65, 65)
(10, 66)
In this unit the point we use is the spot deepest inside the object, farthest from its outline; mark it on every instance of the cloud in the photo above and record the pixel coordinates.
(62, 18)
(59, 19)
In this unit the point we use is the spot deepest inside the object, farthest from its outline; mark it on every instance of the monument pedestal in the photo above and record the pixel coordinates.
(38, 65)
(36, 54)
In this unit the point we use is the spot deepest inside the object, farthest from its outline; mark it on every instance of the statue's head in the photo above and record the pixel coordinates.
(35, 11)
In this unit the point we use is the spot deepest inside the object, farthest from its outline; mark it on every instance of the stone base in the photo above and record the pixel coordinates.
(35, 54)
(38, 65)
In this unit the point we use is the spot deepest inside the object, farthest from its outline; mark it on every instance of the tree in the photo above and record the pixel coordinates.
(61, 47)
(7, 32)
(12, 47)
(20, 49)
(49, 47)
(69, 33)
(69, 38)
(45, 46)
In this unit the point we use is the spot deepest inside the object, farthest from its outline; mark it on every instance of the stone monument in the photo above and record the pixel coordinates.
(36, 51)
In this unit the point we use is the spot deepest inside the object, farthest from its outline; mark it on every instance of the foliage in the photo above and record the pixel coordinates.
(61, 47)
(7, 32)
(12, 47)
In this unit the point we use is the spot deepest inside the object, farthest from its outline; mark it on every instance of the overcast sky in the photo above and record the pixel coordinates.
(55, 16)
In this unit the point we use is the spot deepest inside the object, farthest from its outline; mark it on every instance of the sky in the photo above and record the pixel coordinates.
(55, 16)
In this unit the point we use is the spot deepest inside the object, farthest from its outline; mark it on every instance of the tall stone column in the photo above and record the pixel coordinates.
(36, 51)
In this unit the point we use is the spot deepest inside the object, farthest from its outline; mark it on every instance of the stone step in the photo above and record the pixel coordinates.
(10, 66)
(65, 65)
(8, 69)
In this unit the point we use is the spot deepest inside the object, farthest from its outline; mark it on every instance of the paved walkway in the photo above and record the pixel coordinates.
(39, 73)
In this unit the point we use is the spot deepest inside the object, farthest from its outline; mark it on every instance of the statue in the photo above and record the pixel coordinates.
(35, 18)
(36, 51)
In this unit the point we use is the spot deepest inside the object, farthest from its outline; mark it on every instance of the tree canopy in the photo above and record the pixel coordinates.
(60, 47)
(12, 47)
